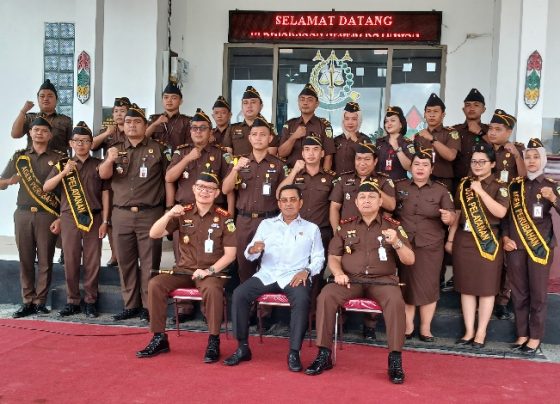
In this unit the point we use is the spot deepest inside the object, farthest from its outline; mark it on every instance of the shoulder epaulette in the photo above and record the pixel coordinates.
(222, 148)
(181, 146)
(330, 172)
(189, 206)
(407, 140)
(382, 174)
(346, 173)
(519, 144)
(222, 212)
(325, 121)
(392, 221)
(400, 180)
(153, 117)
(550, 180)
(499, 181)
(59, 152)
(348, 219)
(440, 183)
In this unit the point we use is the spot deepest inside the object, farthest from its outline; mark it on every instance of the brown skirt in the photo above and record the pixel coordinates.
(422, 278)
(473, 274)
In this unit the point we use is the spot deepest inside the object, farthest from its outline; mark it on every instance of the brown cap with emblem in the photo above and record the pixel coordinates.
(500, 116)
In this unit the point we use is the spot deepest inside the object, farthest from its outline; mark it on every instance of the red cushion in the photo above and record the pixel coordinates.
(362, 304)
(274, 298)
(185, 293)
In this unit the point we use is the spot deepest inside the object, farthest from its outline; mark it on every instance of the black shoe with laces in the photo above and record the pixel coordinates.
(69, 310)
(144, 315)
(213, 349)
(91, 310)
(321, 363)
(241, 354)
(126, 314)
(158, 344)
(26, 309)
(42, 309)
(395, 370)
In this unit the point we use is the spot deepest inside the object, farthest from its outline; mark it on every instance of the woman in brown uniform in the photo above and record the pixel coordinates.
(481, 202)
(394, 150)
(424, 207)
(529, 244)
(346, 143)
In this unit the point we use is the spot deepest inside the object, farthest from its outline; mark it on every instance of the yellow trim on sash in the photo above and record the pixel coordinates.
(66, 182)
(37, 193)
(532, 227)
(476, 200)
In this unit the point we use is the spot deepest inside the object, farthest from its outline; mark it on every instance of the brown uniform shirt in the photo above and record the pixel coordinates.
(450, 138)
(346, 188)
(315, 190)
(41, 164)
(387, 160)
(175, 132)
(194, 230)
(358, 244)
(343, 161)
(418, 210)
(462, 164)
(212, 157)
(129, 187)
(250, 196)
(506, 161)
(111, 140)
(544, 223)
(497, 191)
(92, 184)
(238, 139)
(318, 126)
(61, 129)
(220, 135)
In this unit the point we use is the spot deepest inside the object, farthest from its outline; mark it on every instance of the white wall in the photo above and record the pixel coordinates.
(22, 32)
(552, 61)
(204, 27)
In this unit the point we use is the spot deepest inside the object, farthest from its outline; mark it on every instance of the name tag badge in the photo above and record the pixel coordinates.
(538, 210)
(266, 190)
(143, 172)
(388, 165)
(208, 246)
(186, 175)
(382, 254)
(467, 227)
(504, 176)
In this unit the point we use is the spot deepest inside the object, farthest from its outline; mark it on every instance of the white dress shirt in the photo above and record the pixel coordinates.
(288, 249)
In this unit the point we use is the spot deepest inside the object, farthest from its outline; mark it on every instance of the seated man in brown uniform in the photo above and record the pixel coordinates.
(207, 247)
(363, 259)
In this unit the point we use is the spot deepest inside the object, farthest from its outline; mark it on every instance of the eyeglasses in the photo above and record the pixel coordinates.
(199, 128)
(203, 188)
(291, 199)
(479, 163)
(81, 142)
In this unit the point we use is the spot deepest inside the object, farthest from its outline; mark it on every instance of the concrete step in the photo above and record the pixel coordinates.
(447, 322)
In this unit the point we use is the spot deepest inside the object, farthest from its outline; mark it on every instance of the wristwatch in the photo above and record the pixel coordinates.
(106, 222)
(398, 244)
(399, 149)
(212, 270)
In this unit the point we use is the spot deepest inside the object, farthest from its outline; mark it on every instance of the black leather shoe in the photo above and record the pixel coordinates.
(478, 345)
(409, 336)
(526, 350)
(321, 363)
(462, 341)
(395, 370)
(369, 333)
(157, 345)
(144, 315)
(502, 312)
(69, 310)
(241, 354)
(294, 363)
(91, 310)
(25, 310)
(213, 349)
(42, 309)
(126, 314)
(426, 338)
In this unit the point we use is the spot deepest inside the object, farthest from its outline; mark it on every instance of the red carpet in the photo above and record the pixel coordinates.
(48, 367)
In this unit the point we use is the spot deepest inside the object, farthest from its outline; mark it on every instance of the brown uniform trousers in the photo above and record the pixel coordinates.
(211, 288)
(389, 297)
(131, 231)
(74, 242)
(33, 234)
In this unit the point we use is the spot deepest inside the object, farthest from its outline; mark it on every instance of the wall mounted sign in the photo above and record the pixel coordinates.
(84, 76)
(533, 80)
(335, 26)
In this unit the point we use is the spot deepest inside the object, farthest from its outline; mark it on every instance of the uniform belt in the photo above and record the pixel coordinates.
(137, 208)
(255, 215)
(31, 208)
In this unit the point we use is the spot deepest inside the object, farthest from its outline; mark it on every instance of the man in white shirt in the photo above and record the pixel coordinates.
(291, 252)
